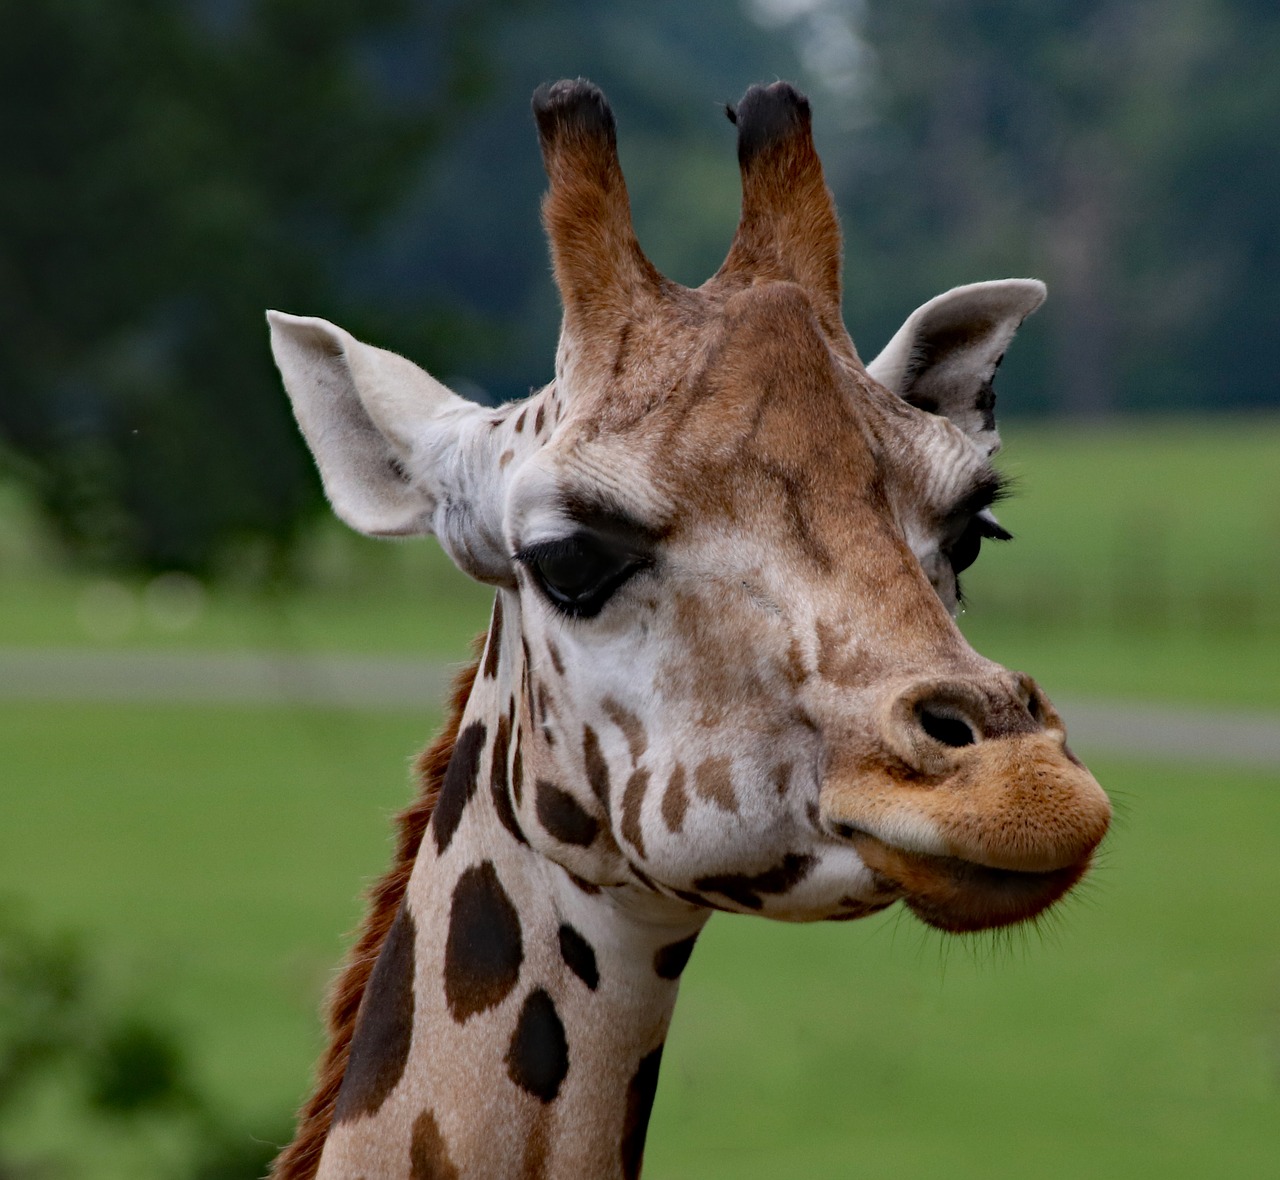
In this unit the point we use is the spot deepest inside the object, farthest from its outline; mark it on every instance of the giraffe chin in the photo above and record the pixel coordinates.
(962, 897)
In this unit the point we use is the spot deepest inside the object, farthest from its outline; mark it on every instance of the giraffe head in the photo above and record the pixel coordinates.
(726, 555)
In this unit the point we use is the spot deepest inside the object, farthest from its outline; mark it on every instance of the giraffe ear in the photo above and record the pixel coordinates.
(944, 358)
(395, 448)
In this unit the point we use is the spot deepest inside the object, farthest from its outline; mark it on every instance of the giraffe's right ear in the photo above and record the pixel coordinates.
(398, 453)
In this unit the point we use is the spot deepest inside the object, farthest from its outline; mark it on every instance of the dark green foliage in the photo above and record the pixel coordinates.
(170, 171)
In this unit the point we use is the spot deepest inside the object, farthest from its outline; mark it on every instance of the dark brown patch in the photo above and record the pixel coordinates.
(632, 801)
(556, 662)
(839, 658)
(384, 1028)
(745, 890)
(596, 767)
(484, 948)
(563, 817)
(459, 784)
(853, 907)
(428, 1153)
(517, 772)
(588, 887)
(538, 1056)
(546, 705)
(782, 778)
(675, 801)
(520, 420)
(494, 647)
(644, 880)
(700, 901)
(635, 1122)
(301, 1158)
(670, 961)
(631, 726)
(579, 956)
(499, 790)
(539, 418)
(713, 780)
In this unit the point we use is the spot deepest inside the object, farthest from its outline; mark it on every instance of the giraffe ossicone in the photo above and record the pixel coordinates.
(722, 671)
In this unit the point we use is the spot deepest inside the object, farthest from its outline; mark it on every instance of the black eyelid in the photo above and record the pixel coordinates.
(991, 488)
(577, 543)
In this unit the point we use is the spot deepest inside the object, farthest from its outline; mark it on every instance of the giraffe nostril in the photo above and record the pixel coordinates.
(944, 728)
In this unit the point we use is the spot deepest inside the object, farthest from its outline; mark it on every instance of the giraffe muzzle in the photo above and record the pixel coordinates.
(979, 815)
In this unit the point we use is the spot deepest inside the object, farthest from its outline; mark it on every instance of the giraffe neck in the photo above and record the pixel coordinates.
(514, 1022)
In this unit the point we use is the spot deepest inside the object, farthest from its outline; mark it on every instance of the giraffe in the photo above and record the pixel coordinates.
(721, 673)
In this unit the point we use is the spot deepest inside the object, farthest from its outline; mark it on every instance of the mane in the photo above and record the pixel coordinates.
(301, 1158)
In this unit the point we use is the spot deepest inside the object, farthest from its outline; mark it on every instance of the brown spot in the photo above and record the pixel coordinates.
(563, 817)
(853, 907)
(556, 662)
(700, 901)
(499, 791)
(635, 1122)
(632, 801)
(384, 1027)
(782, 778)
(494, 646)
(579, 956)
(506, 457)
(538, 1056)
(644, 879)
(539, 419)
(428, 1153)
(670, 961)
(517, 771)
(713, 780)
(588, 887)
(520, 420)
(631, 726)
(459, 784)
(596, 767)
(795, 672)
(484, 948)
(745, 890)
(675, 801)
(546, 707)
(839, 659)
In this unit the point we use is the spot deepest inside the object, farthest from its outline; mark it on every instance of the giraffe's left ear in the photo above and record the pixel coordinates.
(944, 358)
(398, 453)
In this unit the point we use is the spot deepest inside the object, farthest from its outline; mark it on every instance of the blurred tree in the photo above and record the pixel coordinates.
(1122, 151)
(170, 170)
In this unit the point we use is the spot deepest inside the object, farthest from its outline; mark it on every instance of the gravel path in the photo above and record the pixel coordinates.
(1177, 733)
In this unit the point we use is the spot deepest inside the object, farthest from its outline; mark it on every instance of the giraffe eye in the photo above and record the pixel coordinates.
(579, 574)
(963, 551)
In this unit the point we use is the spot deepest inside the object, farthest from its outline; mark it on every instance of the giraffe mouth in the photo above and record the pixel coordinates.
(961, 896)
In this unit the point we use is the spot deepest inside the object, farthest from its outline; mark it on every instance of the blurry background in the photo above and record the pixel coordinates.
(209, 691)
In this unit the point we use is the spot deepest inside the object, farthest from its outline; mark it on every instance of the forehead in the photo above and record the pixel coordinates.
(740, 407)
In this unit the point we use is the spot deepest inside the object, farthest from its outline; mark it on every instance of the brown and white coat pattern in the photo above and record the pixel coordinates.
(721, 672)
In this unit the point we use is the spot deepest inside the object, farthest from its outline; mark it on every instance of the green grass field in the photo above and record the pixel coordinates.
(212, 858)
(214, 855)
